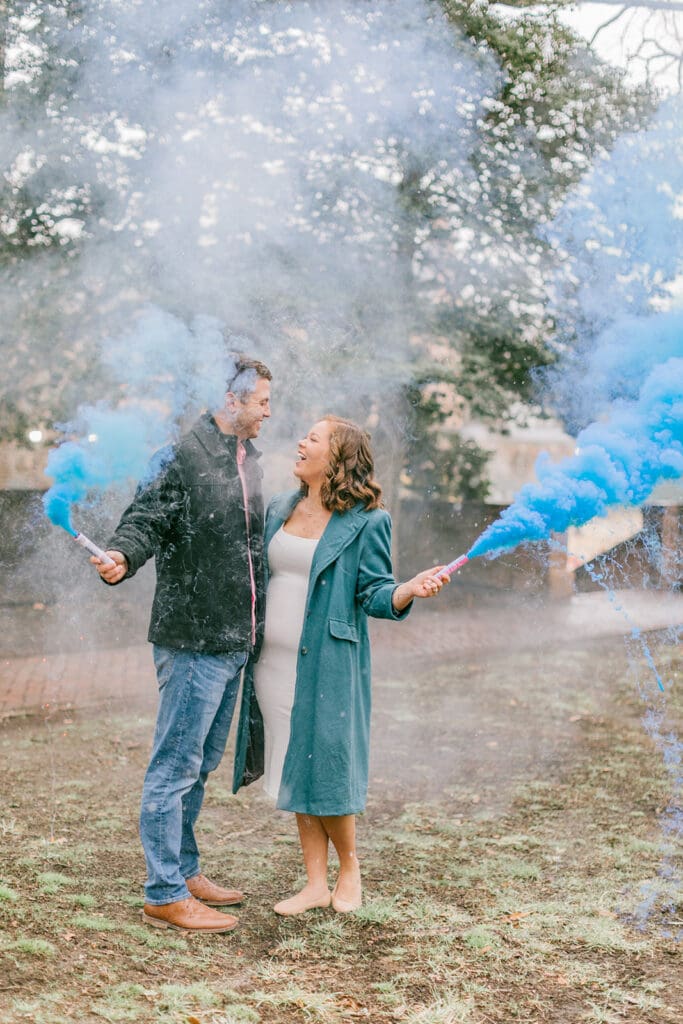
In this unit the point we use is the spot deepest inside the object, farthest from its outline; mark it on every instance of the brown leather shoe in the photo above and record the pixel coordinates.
(202, 888)
(188, 916)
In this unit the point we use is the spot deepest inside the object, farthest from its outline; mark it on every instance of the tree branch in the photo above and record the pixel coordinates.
(610, 21)
(646, 18)
(654, 5)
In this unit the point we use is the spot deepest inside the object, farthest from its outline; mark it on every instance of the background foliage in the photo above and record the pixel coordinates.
(385, 238)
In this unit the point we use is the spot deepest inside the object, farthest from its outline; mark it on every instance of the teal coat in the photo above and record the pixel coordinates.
(326, 767)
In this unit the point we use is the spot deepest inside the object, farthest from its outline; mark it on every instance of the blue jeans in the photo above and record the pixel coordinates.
(197, 694)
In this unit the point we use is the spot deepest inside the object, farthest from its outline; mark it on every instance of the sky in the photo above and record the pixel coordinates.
(617, 42)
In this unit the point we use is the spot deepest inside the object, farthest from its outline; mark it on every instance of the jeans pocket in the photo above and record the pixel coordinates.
(164, 660)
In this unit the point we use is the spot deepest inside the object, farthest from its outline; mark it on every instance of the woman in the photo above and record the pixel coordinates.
(329, 563)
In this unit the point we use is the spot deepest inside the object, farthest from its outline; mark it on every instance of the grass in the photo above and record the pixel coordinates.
(32, 947)
(522, 912)
(93, 924)
(446, 1008)
(481, 939)
(379, 911)
(292, 997)
(83, 900)
(186, 997)
(52, 882)
(239, 1014)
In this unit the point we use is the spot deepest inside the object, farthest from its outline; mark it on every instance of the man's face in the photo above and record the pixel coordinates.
(249, 411)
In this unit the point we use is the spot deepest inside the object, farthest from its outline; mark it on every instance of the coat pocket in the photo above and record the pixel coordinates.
(344, 630)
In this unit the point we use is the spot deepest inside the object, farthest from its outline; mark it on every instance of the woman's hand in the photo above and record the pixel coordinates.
(428, 583)
(425, 584)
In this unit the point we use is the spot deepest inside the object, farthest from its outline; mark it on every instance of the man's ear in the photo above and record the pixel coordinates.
(230, 401)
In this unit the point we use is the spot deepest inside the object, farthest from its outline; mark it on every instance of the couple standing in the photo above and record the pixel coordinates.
(325, 560)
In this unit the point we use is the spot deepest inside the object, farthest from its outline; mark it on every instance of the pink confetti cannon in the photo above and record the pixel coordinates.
(453, 566)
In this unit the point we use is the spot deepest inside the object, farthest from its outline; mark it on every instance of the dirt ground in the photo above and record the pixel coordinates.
(521, 852)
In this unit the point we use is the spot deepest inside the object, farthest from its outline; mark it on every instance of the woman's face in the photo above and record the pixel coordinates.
(313, 454)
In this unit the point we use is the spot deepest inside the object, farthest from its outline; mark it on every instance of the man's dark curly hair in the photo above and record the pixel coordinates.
(245, 373)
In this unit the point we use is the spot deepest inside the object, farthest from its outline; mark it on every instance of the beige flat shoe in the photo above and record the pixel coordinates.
(299, 905)
(345, 906)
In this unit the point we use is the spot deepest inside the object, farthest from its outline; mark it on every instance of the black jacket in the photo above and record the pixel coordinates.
(189, 515)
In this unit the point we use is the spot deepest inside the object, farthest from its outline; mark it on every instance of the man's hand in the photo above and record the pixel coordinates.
(111, 573)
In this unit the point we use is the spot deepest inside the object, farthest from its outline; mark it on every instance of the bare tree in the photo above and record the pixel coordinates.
(650, 31)
(655, 5)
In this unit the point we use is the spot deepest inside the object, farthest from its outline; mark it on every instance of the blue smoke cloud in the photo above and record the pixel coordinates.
(618, 462)
(621, 377)
(170, 371)
(627, 351)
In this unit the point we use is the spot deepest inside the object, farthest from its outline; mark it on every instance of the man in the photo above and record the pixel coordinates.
(201, 517)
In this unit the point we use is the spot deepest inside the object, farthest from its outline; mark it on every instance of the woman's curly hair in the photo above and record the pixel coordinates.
(349, 477)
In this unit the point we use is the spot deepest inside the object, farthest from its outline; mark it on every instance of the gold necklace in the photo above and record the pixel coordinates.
(313, 512)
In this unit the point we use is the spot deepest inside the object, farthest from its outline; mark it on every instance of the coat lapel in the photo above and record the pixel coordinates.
(339, 533)
(279, 512)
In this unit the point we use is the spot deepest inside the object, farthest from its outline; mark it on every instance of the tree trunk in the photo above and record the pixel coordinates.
(4, 15)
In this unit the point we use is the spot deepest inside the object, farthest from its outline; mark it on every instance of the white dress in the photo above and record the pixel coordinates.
(289, 565)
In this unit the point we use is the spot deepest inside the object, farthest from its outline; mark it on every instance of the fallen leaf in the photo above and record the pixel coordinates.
(348, 1003)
